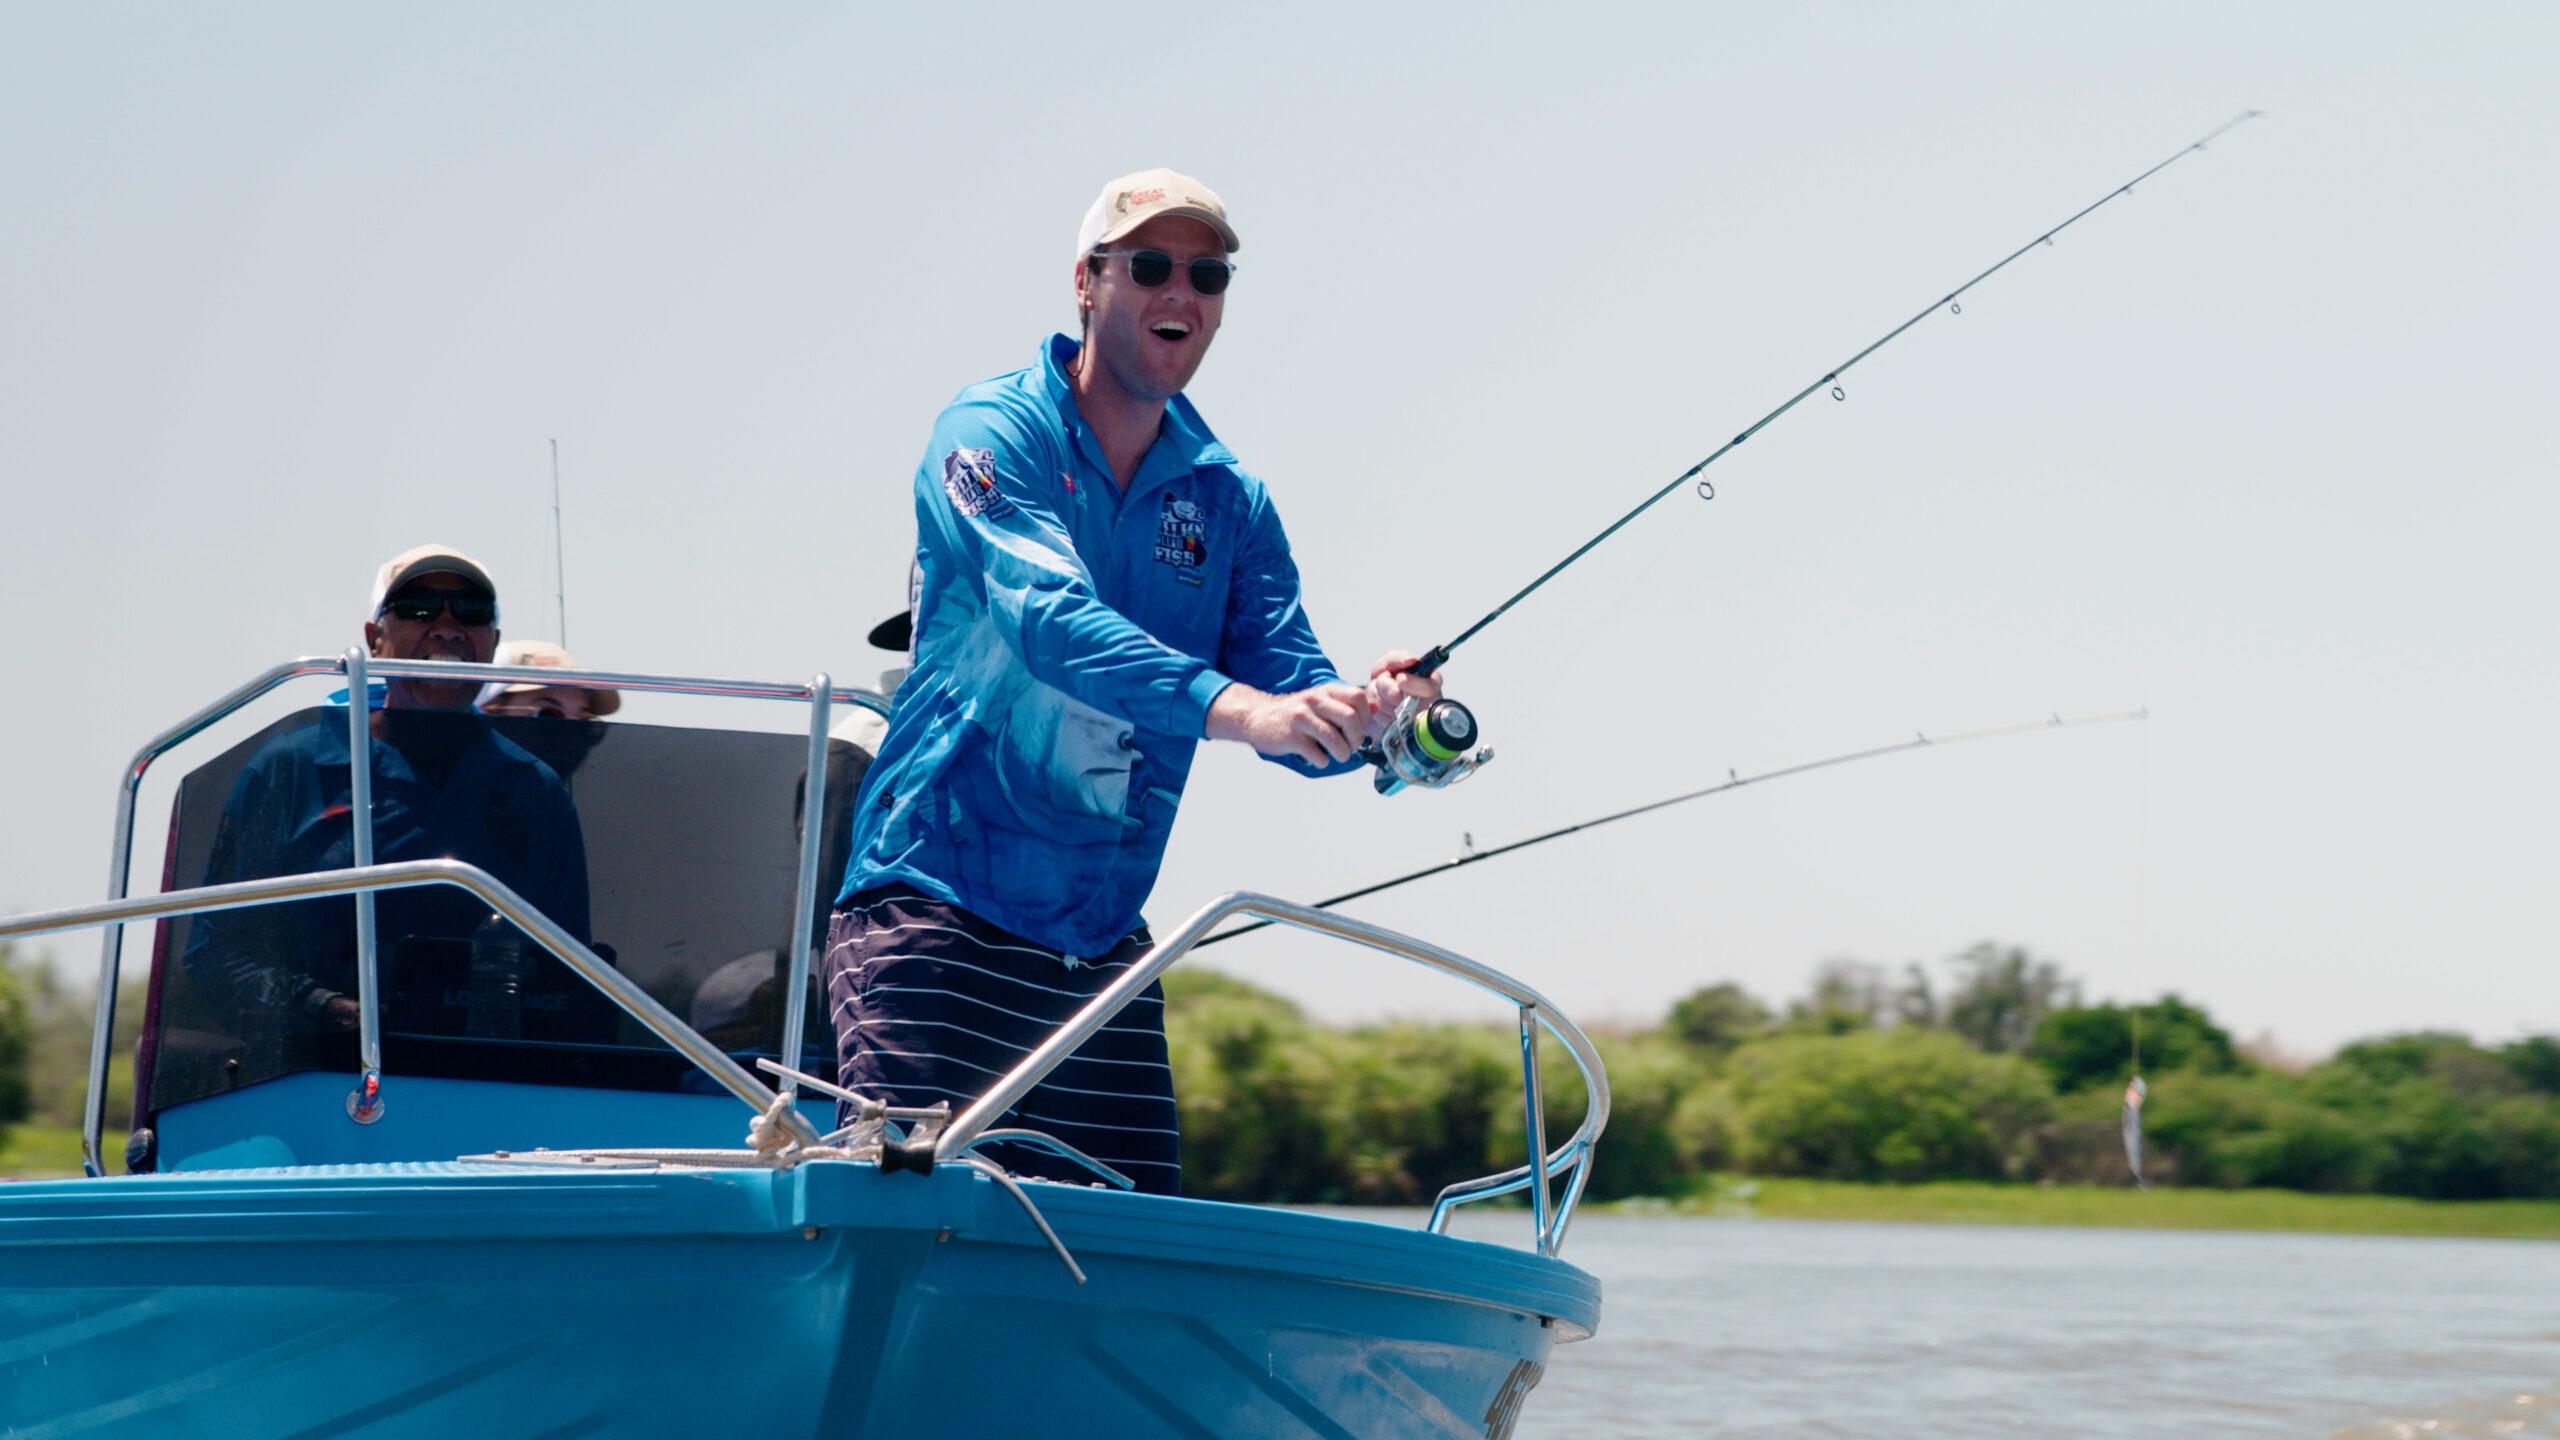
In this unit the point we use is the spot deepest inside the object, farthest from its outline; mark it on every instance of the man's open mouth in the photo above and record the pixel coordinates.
(1171, 330)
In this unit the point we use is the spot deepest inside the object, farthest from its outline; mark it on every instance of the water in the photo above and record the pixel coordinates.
(1768, 1328)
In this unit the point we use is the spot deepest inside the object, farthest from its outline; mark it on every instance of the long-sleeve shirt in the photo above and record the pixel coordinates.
(1069, 637)
(444, 786)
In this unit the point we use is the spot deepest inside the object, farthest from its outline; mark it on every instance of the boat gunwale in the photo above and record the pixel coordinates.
(414, 1203)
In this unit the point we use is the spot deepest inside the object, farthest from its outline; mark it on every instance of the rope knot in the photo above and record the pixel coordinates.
(768, 1136)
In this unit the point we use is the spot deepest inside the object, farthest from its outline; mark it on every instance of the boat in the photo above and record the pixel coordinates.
(548, 1181)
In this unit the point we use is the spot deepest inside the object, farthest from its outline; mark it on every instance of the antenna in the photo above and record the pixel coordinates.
(559, 567)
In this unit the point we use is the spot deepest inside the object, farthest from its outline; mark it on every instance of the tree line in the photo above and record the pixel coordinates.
(1998, 1071)
(44, 1043)
(2001, 1073)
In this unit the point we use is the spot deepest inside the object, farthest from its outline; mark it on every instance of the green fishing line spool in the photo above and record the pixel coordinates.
(1426, 745)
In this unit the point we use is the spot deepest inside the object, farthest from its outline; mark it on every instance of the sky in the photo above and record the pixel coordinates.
(285, 289)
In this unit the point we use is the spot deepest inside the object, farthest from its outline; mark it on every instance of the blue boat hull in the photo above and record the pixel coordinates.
(415, 1299)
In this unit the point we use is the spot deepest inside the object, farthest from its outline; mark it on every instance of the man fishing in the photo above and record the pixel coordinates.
(1100, 587)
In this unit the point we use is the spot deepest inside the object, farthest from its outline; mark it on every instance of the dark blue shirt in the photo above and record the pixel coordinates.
(445, 786)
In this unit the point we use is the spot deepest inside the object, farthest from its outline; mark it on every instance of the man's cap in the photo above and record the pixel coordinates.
(600, 701)
(895, 633)
(425, 560)
(898, 632)
(1133, 200)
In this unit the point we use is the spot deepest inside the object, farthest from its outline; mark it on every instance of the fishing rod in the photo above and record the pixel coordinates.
(1425, 744)
(1733, 781)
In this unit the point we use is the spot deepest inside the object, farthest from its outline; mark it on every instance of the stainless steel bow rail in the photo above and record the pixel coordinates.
(366, 880)
(1549, 1216)
(819, 693)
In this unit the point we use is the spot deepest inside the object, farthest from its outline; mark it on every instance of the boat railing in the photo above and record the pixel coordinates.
(819, 693)
(405, 874)
(1549, 1216)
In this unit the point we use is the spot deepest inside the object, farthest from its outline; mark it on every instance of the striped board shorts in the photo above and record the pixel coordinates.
(931, 1003)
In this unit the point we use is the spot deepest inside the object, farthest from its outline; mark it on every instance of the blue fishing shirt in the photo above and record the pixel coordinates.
(1068, 640)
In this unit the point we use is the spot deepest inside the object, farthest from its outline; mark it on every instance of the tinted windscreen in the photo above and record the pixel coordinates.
(674, 853)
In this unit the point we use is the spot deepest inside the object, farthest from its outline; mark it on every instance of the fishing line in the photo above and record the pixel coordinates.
(1733, 781)
(1438, 655)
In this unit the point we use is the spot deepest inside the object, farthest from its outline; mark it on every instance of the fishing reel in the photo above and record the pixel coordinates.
(1425, 745)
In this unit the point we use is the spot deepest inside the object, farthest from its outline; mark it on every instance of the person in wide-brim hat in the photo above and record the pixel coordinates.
(525, 697)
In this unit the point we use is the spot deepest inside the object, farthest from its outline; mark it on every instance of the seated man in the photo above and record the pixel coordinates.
(444, 785)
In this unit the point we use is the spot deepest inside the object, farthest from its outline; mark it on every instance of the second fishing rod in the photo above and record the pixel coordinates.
(1426, 744)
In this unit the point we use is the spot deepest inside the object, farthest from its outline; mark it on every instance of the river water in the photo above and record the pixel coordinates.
(1768, 1328)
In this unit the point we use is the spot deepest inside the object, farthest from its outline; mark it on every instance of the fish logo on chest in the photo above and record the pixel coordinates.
(1182, 537)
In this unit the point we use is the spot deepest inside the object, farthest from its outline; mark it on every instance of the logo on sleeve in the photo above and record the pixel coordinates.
(1182, 532)
(969, 477)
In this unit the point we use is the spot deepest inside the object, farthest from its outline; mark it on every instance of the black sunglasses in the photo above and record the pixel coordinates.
(1151, 268)
(418, 606)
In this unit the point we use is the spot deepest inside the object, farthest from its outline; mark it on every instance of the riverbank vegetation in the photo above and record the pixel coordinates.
(1997, 1074)
(1986, 1089)
(36, 1152)
(1972, 1202)
(44, 1065)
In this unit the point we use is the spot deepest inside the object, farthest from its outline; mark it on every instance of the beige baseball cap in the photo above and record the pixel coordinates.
(408, 565)
(1133, 200)
(600, 701)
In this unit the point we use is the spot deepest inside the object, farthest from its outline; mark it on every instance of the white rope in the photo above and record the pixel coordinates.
(772, 1142)
(995, 1172)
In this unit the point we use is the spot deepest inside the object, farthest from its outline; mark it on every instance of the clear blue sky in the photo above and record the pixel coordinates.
(284, 289)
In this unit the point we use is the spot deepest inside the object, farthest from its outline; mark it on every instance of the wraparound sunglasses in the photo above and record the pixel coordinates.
(418, 606)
